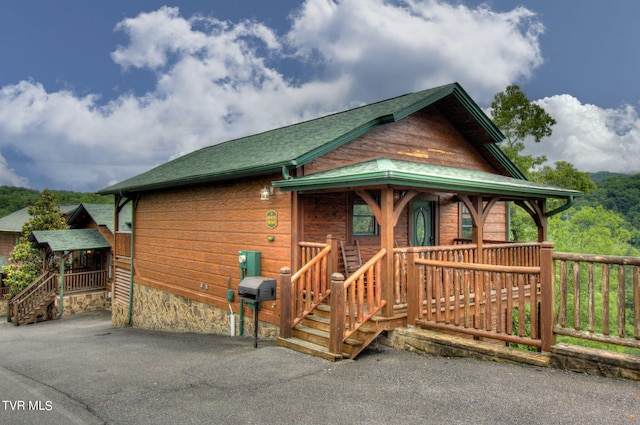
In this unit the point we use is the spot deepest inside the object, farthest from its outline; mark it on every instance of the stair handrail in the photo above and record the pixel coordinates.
(30, 287)
(355, 316)
(320, 295)
(25, 301)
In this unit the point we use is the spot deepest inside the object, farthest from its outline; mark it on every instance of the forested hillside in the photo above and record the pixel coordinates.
(618, 193)
(14, 198)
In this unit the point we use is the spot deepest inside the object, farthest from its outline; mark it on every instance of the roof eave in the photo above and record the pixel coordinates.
(406, 179)
(196, 180)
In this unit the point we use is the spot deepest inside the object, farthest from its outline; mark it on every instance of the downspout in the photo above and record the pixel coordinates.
(61, 302)
(133, 219)
(561, 208)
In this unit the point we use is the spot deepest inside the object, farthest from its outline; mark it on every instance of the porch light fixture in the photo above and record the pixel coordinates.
(265, 193)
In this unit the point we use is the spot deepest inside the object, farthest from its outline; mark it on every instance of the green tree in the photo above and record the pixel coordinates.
(26, 262)
(519, 119)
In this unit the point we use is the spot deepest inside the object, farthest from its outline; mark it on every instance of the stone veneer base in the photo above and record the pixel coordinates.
(155, 309)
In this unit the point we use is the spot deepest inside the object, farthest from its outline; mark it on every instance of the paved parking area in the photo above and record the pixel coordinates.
(80, 370)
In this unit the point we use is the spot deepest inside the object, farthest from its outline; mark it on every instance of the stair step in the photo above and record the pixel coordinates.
(307, 347)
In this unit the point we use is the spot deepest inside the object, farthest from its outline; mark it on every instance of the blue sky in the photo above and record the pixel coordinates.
(92, 93)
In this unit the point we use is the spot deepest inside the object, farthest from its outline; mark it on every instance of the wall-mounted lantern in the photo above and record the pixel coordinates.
(265, 193)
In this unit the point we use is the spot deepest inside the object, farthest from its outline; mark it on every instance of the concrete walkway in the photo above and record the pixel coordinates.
(80, 370)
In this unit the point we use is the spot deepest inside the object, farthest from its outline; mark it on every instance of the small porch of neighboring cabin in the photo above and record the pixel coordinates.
(76, 272)
(408, 221)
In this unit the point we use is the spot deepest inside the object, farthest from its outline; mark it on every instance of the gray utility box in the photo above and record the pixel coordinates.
(257, 288)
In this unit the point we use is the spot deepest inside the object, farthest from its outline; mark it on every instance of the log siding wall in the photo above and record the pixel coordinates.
(187, 241)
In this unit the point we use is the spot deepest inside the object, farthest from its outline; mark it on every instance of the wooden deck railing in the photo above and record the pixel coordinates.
(509, 302)
(84, 281)
(598, 298)
(4, 290)
(455, 253)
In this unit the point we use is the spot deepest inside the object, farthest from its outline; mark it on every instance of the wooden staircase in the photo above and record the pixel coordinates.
(311, 336)
(35, 302)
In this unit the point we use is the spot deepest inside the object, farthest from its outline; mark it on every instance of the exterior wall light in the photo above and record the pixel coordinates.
(265, 193)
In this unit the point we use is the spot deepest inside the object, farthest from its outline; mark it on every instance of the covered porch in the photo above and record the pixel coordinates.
(75, 261)
(416, 270)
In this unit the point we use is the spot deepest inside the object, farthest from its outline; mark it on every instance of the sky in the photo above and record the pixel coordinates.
(92, 93)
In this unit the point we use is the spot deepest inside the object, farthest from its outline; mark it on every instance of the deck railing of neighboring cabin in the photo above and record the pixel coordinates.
(84, 281)
(598, 298)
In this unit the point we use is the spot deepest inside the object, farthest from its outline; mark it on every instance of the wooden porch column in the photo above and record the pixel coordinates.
(477, 229)
(336, 329)
(386, 242)
(547, 296)
(286, 316)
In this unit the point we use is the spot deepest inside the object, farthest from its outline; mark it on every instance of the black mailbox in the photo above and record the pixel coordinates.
(257, 288)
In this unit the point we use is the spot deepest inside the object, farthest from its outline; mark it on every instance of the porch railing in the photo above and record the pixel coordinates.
(598, 298)
(84, 281)
(464, 253)
(509, 302)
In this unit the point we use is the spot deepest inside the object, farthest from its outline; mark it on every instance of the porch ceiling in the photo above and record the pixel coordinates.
(69, 239)
(428, 176)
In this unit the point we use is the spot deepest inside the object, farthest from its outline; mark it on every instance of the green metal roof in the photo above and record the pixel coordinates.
(298, 144)
(69, 239)
(403, 173)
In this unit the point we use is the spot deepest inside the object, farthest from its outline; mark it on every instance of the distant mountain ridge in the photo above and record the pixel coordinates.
(15, 198)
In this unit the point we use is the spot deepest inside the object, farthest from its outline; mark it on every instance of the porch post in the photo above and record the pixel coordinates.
(547, 296)
(336, 329)
(386, 242)
(477, 229)
(285, 303)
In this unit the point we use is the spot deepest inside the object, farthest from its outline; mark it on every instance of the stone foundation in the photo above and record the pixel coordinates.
(83, 302)
(439, 344)
(155, 309)
(4, 306)
(595, 362)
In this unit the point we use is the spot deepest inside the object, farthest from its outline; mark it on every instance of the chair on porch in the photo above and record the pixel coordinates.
(351, 257)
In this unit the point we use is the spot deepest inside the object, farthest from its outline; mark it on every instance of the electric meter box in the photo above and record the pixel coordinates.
(249, 262)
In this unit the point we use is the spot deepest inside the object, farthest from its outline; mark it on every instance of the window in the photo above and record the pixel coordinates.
(363, 221)
(466, 223)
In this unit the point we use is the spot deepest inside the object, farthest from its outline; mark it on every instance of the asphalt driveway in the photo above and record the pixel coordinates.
(80, 370)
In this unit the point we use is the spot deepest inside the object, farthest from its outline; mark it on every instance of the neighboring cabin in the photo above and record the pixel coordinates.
(419, 169)
(86, 247)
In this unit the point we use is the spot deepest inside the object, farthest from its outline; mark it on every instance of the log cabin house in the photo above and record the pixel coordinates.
(416, 183)
(86, 248)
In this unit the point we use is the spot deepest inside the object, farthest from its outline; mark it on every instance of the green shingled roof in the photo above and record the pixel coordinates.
(14, 221)
(103, 215)
(403, 173)
(69, 239)
(297, 144)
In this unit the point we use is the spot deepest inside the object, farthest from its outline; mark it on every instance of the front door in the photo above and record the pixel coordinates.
(423, 223)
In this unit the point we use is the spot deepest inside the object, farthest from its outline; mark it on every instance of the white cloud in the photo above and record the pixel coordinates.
(216, 80)
(591, 138)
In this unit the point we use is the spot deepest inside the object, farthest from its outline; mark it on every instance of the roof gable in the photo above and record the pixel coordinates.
(298, 144)
(102, 215)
